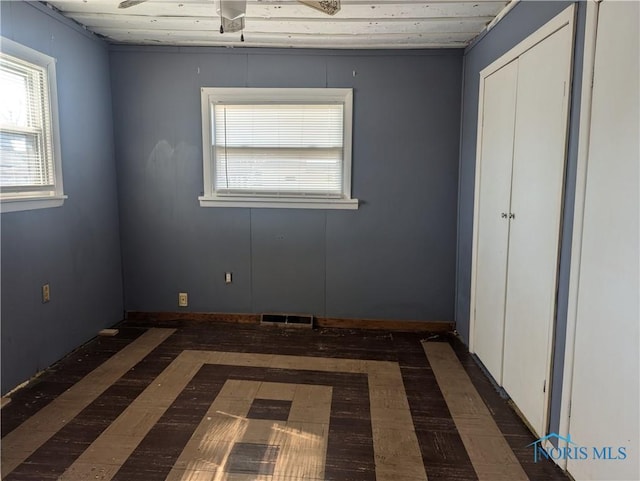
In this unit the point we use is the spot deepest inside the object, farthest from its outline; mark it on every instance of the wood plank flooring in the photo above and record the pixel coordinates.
(186, 400)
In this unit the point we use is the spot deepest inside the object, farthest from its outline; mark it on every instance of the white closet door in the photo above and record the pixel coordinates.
(605, 394)
(536, 199)
(494, 191)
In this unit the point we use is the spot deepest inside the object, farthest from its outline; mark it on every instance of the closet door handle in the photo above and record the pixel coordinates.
(512, 216)
(503, 215)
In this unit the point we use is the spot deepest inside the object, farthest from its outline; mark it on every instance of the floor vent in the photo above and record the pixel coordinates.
(287, 320)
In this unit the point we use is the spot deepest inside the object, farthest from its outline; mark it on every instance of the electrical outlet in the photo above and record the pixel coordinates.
(46, 293)
(227, 277)
(183, 299)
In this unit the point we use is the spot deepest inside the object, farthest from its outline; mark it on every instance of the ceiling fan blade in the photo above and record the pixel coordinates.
(330, 7)
(130, 3)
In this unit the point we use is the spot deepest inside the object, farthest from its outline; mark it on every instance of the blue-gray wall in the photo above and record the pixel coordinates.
(393, 258)
(76, 247)
(519, 23)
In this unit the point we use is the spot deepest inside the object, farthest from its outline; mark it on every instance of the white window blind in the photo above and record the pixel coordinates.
(26, 149)
(278, 149)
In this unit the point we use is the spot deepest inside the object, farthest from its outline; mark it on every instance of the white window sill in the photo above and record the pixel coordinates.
(16, 204)
(278, 203)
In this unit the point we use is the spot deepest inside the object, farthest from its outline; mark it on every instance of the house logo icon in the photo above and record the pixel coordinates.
(538, 448)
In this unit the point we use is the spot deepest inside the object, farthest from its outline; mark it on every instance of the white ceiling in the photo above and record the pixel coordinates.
(288, 23)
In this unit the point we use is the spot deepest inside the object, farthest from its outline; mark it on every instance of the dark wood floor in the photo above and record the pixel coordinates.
(349, 440)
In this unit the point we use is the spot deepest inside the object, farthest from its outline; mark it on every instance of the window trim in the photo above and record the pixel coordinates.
(275, 95)
(19, 201)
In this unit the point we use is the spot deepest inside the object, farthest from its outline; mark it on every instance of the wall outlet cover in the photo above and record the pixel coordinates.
(46, 293)
(183, 299)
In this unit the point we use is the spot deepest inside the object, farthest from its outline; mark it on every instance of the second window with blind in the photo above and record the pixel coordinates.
(30, 159)
(277, 148)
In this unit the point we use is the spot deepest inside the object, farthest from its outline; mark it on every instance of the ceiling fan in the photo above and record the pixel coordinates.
(330, 7)
(232, 12)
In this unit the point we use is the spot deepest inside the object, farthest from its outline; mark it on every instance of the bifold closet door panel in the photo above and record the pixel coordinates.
(494, 192)
(536, 200)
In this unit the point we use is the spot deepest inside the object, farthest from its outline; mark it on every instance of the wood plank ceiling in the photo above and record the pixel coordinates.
(288, 23)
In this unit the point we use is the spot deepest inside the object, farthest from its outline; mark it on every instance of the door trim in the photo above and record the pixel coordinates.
(584, 132)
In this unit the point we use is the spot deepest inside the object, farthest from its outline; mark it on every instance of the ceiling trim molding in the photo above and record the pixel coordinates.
(224, 50)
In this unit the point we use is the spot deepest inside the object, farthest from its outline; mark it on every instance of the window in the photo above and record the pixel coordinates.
(286, 148)
(30, 171)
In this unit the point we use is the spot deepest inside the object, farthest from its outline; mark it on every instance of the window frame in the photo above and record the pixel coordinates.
(211, 95)
(13, 201)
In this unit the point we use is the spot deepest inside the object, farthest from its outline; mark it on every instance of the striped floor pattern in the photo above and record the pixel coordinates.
(188, 401)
